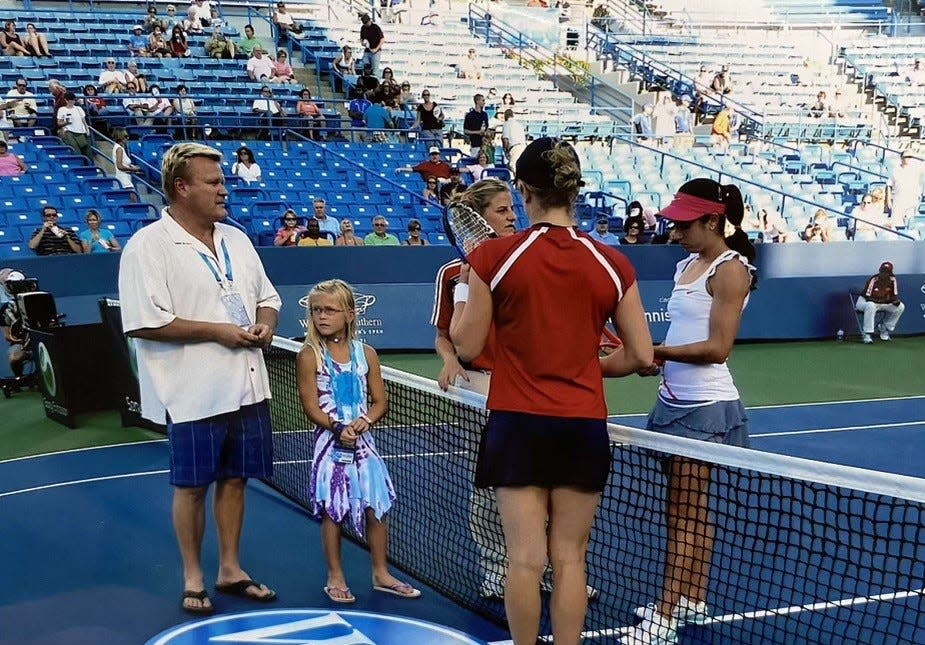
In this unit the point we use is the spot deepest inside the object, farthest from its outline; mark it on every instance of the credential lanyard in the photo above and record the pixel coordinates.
(212, 263)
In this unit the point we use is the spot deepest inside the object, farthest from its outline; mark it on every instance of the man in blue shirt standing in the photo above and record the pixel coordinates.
(602, 233)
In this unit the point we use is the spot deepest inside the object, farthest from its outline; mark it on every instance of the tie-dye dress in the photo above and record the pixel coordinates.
(345, 491)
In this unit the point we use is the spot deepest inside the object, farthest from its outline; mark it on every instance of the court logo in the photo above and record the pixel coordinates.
(47, 370)
(363, 301)
(311, 627)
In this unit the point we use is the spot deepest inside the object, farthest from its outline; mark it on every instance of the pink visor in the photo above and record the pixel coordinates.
(687, 208)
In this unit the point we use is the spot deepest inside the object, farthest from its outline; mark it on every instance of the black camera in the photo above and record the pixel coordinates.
(29, 308)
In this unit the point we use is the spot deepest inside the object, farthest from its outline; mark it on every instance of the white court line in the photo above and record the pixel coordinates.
(763, 613)
(74, 482)
(842, 429)
(65, 452)
(794, 405)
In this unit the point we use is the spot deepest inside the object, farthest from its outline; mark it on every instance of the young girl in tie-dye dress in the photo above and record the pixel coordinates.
(342, 392)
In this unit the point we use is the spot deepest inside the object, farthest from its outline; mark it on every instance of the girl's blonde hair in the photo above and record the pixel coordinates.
(345, 299)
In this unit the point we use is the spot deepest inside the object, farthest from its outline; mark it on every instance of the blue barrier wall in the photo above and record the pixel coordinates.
(802, 293)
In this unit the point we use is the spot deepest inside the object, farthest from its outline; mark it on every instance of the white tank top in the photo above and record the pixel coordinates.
(689, 308)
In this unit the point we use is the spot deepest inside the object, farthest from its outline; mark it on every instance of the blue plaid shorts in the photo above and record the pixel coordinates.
(233, 445)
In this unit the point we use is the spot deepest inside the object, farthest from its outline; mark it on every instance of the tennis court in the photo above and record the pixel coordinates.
(91, 556)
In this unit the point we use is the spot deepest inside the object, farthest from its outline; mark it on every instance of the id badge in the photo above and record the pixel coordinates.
(343, 453)
(234, 305)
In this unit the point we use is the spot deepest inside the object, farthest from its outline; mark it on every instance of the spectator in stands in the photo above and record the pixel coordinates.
(663, 114)
(389, 89)
(869, 218)
(157, 44)
(380, 235)
(249, 43)
(10, 164)
(136, 105)
(218, 46)
(215, 20)
(475, 123)
(96, 239)
(282, 70)
(821, 107)
(819, 229)
(431, 191)
(270, 110)
(291, 231)
(111, 79)
(57, 90)
(916, 73)
(643, 124)
(179, 47)
(73, 127)
(683, 120)
(773, 227)
(326, 223)
(171, 18)
(429, 120)
(245, 167)
(881, 293)
(259, 67)
(513, 138)
(347, 237)
(122, 161)
(373, 40)
(284, 22)
(878, 195)
(356, 109)
(191, 24)
(479, 169)
(310, 116)
(36, 42)
(138, 42)
(632, 229)
(722, 127)
(470, 67)
(11, 43)
(159, 108)
(414, 234)
(722, 82)
(152, 20)
(904, 189)
(345, 65)
(602, 233)
(702, 92)
(186, 108)
(377, 119)
(51, 239)
(366, 82)
(132, 74)
(21, 102)
(200, 13)
(451, 187)
(313, 235)
(488, 146)
(838, 108)
(406, 99)
(433, 167)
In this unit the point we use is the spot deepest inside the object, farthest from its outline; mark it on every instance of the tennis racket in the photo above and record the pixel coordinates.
(465, 228)
(610, 342)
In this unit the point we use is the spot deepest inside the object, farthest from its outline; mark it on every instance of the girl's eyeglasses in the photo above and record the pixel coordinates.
(327, 311)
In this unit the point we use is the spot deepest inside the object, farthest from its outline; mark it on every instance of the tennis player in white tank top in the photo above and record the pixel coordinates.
(697, 397)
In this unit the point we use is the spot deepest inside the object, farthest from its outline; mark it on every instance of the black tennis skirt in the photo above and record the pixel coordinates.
(520, 449)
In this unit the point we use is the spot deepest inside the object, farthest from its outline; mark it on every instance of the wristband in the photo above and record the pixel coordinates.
(337, 428)
(460, 294)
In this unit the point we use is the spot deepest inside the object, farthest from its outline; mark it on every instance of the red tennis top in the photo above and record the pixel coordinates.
(553, 288)
(447, 279)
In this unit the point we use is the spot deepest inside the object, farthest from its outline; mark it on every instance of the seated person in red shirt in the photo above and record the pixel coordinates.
(433, 167)
(881, 293)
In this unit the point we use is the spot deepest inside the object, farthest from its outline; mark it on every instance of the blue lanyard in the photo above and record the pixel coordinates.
(229, 274)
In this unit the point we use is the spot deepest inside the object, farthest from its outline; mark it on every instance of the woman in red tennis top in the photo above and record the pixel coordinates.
(548, 291)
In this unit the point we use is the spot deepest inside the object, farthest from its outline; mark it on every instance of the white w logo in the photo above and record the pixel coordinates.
(276, 634)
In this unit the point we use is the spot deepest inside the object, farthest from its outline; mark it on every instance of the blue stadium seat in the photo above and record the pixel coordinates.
(14, 251)
(137, 212)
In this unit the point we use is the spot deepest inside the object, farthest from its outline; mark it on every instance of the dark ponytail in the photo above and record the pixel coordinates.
(735, 212)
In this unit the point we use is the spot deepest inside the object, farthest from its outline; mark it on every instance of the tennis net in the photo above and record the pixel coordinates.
(805, 552)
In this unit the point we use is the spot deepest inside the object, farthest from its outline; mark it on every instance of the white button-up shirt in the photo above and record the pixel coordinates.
(163, 275)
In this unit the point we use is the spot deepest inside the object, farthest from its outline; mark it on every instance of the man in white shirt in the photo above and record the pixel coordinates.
(284, 21)
(22, 102)
(470, 67)
(513, 138)
(198, 303)
(904, 189)
(111, 79)
(269, 108)
(137, 105)
(259, 67)
(199, 12)
(72, 124)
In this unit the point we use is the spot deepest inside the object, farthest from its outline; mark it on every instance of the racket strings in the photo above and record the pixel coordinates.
(469, 228)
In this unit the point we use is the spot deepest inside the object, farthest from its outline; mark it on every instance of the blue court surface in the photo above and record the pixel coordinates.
(90, 556)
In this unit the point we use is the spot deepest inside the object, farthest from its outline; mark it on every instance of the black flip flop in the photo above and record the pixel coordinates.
(200, 596)
(240, 588)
